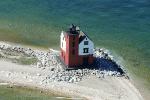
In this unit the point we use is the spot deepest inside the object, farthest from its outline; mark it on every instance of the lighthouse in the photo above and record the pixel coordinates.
(76, 47)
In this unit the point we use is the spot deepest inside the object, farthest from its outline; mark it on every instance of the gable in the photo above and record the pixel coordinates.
(83, 36)
(86, 39)
(86, 47)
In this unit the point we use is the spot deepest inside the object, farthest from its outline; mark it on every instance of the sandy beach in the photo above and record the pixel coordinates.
(107, 87)
(92, 88)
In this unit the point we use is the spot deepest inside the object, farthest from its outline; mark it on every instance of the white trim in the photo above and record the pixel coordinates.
(62, 41)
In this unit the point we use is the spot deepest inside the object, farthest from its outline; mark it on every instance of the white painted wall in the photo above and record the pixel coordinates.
(90, 46)
(62, 41)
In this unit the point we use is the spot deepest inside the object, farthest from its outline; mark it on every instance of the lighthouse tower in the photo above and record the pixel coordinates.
(76, 47)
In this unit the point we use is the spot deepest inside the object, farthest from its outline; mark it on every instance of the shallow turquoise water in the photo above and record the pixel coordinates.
(122, 26)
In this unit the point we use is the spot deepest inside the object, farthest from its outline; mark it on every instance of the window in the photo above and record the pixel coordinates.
(86, 42)
(73, 44)
(73, 52)
(85, 50)
(73, 37)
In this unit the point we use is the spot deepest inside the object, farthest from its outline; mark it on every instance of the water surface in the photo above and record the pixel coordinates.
(123, 26)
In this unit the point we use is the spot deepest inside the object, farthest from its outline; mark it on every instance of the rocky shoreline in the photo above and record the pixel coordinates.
(50, 60)
(105, 78)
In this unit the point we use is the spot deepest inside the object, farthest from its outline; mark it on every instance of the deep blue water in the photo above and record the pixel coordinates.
(122, 26)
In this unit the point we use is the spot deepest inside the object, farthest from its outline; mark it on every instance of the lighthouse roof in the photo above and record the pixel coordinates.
(73, 29)
(82, 36)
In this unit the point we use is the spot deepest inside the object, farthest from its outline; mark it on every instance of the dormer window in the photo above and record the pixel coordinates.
(86, 42)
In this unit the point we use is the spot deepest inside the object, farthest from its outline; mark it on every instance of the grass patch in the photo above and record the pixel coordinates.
(18, 57)
(27, 60)
(24, 93)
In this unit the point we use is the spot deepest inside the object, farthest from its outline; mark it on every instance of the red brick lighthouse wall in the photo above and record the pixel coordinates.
(70, 55)
(72, 42)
